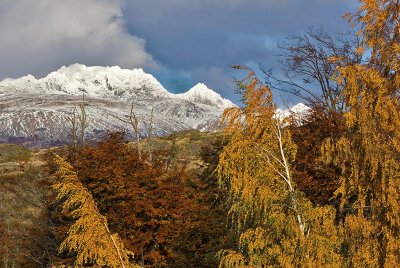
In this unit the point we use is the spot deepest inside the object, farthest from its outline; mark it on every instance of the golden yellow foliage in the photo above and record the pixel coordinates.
(277, 225)
(362, 241)
(89, 237)
(369, 155)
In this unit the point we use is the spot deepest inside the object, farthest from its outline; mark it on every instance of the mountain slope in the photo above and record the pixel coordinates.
(33, 111)
(200, 93)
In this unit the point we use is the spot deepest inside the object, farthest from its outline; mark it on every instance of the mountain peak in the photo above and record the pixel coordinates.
(300, 108)
(297, 111)
(199, 87)
(200, 93)
(78, 68)
(111, 82)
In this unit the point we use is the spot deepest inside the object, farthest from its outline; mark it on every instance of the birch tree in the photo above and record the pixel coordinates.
(368, 154)
(150, 135)
(276, 225)
(82, 119)
(307, 68)
(74, 128)
(134, 122)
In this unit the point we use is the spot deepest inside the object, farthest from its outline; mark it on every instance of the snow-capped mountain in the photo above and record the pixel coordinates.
(200, 93)
(298, 110)
(35, 111)
(297, 113)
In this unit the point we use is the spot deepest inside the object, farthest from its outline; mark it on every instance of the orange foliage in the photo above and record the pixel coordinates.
(164, 215)
(316, 179)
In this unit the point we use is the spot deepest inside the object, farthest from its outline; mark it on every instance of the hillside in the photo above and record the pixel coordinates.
(34, 111)
(26, 239)
(181, 181)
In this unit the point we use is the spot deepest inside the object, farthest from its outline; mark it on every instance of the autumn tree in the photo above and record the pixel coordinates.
(168, 218)
(317, 179)
(368, 154)
(89, 237)
(277, 226)
(307, 67)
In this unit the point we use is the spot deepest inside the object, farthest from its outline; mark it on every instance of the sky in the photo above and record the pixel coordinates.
(180, 42)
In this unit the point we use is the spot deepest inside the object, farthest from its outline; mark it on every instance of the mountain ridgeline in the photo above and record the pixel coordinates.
(35, 112)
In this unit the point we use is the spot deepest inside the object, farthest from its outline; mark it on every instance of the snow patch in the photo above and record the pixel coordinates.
(200, 93)
(297, 112)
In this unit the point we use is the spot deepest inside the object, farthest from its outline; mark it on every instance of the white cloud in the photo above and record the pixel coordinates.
(38, 36)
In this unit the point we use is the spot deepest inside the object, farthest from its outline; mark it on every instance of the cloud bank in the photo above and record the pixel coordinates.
(199, 40)
(193, 41)
(40, 36)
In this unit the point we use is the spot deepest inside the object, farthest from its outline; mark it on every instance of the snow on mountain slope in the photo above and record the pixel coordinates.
(200, 93)
(297, 110)
(33, 111)
(98, 82)
(298, 113)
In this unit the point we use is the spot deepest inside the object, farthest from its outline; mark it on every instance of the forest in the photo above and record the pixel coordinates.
(321, 190)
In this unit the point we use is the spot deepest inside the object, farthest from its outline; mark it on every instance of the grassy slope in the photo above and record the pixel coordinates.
(24, 241)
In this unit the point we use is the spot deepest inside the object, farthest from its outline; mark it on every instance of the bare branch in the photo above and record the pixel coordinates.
(133, 121)
(309, 63)
(150, 135)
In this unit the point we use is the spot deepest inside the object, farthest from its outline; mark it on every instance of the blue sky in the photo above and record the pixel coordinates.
(181, 42)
